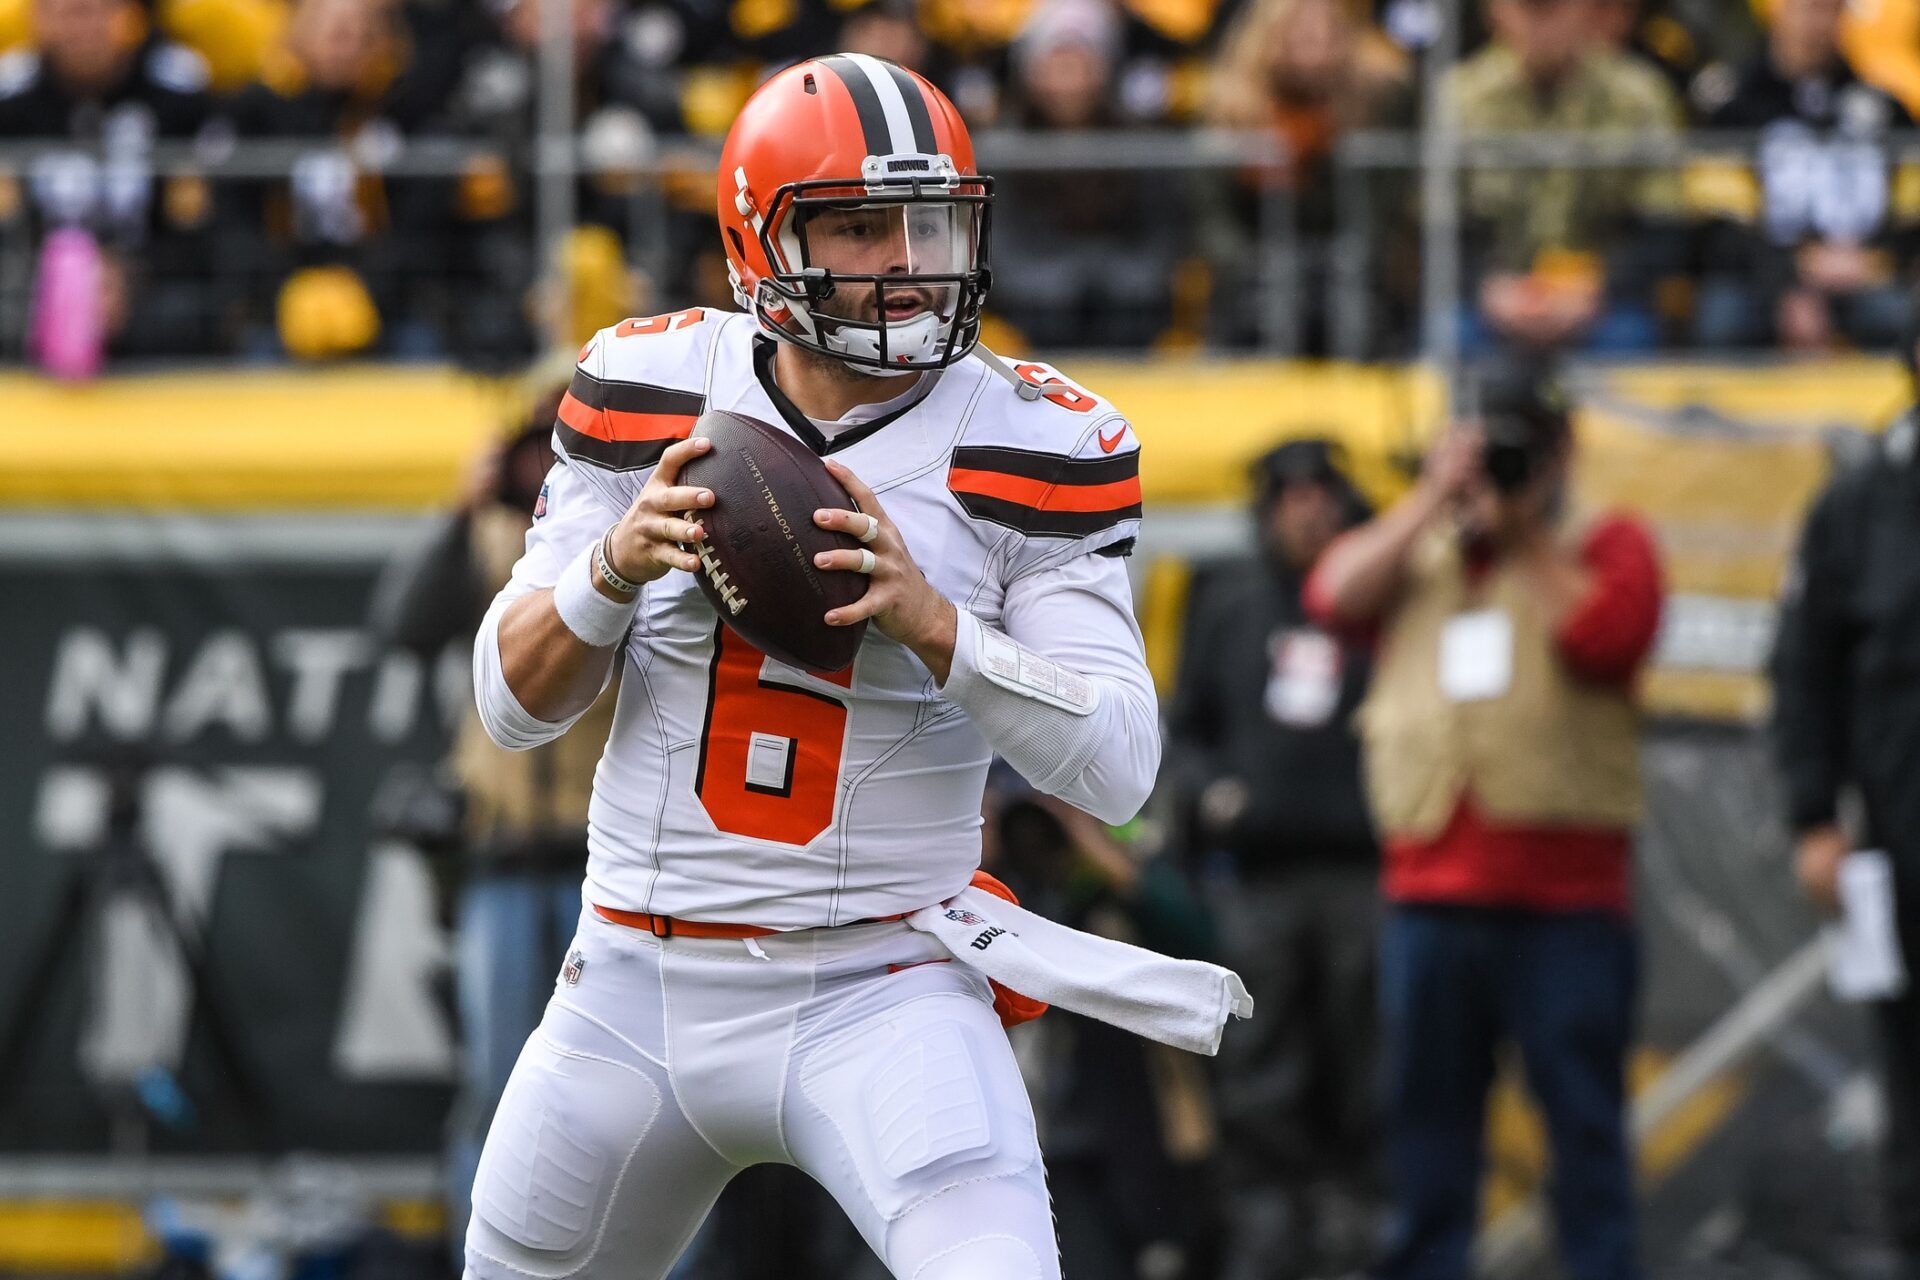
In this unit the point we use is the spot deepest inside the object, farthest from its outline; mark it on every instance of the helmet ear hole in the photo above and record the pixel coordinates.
(739, 245)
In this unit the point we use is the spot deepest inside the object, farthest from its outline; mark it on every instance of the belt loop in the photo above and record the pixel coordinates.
(660, 926)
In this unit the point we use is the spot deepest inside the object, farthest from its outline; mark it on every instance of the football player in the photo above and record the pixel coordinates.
(742, 988)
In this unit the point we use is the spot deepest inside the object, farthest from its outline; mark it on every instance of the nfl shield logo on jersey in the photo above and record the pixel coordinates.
(964, 917)
(570, 971)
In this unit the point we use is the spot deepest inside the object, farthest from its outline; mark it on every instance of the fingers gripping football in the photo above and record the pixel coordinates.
(650, 539)
(899, 599)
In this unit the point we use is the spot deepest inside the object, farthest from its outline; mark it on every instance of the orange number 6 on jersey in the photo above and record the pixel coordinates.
(769, 753)
(660, 324)
(1055, 387)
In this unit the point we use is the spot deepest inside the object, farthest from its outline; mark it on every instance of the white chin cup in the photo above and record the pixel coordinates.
(917, 341)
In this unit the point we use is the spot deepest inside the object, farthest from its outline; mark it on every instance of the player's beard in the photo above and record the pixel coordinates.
(865, 308)
(833, 368)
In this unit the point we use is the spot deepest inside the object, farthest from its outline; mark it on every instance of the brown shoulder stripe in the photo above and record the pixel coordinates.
(623, 426)
(1043, 494)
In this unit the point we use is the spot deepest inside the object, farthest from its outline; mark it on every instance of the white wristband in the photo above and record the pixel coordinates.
(593, 617)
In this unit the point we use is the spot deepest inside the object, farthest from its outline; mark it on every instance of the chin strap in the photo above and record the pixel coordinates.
(1021, 387)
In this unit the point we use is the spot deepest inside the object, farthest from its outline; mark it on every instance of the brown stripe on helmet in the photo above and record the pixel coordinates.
(866, 104)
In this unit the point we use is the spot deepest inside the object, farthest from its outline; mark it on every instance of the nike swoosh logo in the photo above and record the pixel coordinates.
(1107, 444)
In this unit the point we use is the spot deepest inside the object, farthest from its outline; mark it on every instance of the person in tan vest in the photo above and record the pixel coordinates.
(1501, 744)
(517, 899)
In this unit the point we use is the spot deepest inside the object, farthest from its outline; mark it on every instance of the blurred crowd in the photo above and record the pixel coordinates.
(1792, 230)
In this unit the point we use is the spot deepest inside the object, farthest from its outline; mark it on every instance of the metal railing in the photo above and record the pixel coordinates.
(1151, 161)
(1364, 154)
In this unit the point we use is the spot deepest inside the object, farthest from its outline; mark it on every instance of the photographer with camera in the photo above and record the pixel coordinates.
(1501, 735)
(521, 835)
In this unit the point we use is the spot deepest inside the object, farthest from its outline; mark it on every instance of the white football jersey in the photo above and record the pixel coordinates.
(737, 788)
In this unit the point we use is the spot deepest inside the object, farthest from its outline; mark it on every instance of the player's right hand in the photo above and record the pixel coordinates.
(647, 541)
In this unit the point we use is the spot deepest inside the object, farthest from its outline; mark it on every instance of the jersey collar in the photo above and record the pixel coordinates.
(803, 426)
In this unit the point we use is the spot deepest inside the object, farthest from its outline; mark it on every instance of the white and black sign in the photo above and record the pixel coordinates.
(231, 721)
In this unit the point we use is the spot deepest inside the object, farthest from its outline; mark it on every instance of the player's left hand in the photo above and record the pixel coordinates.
(899, 599)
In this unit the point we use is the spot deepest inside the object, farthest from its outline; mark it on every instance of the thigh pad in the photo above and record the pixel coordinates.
(923, 1099)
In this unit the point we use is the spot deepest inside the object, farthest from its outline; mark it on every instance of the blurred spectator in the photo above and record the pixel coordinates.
(432, 37)
(1557, 256)
(1129, 1126)
(95, 79)
(1081, 258)
(625, 92)
(888, 30)
(1882, 41)
(331, 241)
(1306, 71)
(1503, 766)
(1674, 36)
(1261, 727)
(1810, 255)
(620, 61)
(975, 27)
(91, 57)
(1846, 679)
(236, 37)
(1064, 65)
(525, 813)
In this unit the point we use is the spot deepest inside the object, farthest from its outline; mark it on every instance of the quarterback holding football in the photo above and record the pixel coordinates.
(841, 556)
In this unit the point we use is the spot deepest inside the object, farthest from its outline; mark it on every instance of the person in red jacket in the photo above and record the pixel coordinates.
(1502, 756)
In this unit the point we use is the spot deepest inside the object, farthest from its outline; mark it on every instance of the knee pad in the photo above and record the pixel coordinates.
(987, 1258)
(984, 1229)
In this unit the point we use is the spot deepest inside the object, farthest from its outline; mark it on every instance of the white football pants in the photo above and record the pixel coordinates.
(664, 1067)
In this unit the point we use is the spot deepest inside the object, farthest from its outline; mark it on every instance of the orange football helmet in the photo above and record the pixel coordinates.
(853, 136)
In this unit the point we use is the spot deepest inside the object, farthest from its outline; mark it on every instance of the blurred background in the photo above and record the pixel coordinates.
(288, 289)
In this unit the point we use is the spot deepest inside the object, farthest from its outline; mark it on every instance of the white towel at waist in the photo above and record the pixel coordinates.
(1184, 1003)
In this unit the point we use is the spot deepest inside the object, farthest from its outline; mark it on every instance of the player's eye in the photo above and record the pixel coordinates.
(842, 226)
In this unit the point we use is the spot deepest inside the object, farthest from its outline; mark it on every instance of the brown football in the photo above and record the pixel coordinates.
(756, 562)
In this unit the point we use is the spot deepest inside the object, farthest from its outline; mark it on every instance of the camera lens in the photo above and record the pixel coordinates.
(1508, 464)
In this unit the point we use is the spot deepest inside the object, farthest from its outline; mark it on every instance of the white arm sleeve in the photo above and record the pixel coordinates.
(1061, 689)
(573, 519)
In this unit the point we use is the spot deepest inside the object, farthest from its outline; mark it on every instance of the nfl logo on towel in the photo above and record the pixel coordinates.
(964, 917)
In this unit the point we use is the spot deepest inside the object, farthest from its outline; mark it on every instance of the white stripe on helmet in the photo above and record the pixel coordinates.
(892, 104)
